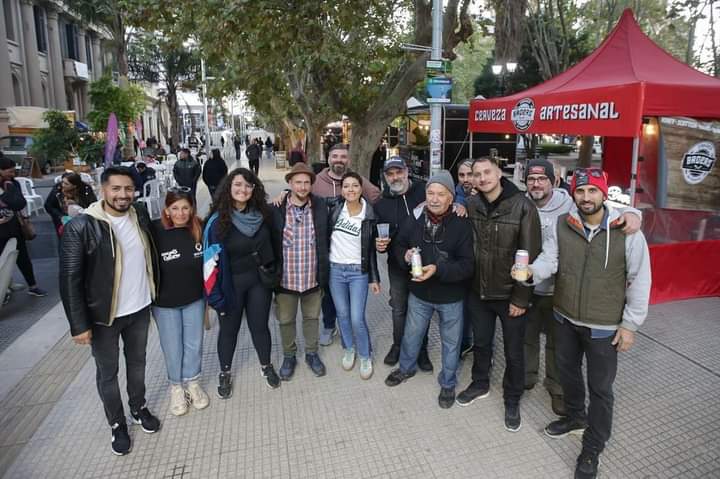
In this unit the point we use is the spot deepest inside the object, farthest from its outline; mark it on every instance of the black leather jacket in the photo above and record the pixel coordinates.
(367, 240)
(87, 269)
(509, 224)
(187, 172)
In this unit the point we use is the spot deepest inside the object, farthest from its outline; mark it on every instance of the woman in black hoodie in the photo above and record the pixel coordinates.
(214, 170)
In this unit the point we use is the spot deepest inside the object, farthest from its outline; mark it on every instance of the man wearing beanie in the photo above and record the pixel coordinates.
(445, 242)
(551, 203)
(602, 290)
(504, 220)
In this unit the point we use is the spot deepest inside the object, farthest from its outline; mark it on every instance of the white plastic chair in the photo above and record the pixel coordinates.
(151, 197)
(7, 265)
(34, 200)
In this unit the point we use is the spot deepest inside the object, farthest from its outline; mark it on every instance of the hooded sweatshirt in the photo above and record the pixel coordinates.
(637, 261)
(326, 186)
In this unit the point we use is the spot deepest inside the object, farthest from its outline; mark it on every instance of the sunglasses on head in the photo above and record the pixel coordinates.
(586, 172)
(179, 189)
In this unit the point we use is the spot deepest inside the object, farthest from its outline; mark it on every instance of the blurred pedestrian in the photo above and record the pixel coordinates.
(187, 171)
(68, 198)
(214, 170)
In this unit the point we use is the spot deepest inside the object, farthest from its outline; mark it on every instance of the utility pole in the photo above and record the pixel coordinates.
(205, 108)
(435, 108)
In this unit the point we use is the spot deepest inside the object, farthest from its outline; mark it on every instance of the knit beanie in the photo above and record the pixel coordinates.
(590, 176)
(444, 178)
(540, 167)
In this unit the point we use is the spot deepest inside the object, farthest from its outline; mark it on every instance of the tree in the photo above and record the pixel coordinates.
(157, 59)
(127, 103)
(58, 141)
(327, 58)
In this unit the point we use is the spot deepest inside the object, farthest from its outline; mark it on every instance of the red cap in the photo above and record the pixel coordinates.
(590, 176)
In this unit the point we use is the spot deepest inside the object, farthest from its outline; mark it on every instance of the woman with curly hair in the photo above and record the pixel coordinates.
(238, 253)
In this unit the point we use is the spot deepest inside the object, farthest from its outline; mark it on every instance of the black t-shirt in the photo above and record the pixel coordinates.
(181, 267)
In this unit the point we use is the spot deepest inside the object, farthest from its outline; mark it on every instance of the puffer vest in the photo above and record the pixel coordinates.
(586, 290)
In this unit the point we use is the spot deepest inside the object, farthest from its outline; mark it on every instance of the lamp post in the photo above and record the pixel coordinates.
(500, 71)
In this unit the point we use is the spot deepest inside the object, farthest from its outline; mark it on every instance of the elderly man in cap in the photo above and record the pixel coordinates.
(445, 244)
(397, 203)
(301, 223)
(602, 290)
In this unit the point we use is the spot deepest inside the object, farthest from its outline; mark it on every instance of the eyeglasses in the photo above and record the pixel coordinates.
(179, 189)
(537, 179)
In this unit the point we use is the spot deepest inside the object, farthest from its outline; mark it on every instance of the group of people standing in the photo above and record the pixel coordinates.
(450, 250)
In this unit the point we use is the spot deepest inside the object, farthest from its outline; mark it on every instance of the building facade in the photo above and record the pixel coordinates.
(47, 57)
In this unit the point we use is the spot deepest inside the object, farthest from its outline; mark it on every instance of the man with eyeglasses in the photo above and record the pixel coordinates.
(504, 221)
(551, 203)
(445, 243)
(602, 291)
(301, 223)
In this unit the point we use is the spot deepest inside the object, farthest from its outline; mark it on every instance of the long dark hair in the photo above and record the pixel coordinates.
(224, 204)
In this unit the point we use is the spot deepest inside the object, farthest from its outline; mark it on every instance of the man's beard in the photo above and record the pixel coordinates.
(338, 169)
(594, 210)
(397, 187)
(538, 195)
(467, 189)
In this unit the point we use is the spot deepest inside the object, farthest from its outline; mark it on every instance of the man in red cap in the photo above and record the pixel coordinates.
(602, 290)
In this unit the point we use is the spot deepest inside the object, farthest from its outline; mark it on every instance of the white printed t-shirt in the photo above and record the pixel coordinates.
(346, 238)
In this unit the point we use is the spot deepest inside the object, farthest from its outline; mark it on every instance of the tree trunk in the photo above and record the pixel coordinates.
(366, 137)
(173, 110)
(314, 129)
(122, 61)
(585, 153)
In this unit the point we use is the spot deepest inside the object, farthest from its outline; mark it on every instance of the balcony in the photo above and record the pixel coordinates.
(76, 71)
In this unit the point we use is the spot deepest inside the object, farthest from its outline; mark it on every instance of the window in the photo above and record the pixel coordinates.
(88, 51)
(9, 19)
(17, 91)
(40, 29)
(70, 40)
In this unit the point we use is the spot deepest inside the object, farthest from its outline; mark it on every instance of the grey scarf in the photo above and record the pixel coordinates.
(249, 222)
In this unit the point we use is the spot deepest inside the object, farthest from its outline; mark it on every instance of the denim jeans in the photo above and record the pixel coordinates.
(349, 289)
(399, 281)
(484, 315)
(181, 337)
(451, 327)
(571, 344)
(105, 346)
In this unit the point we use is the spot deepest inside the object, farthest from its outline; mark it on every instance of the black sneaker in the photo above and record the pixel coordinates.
(315, 363)
(147, 421)
(587, 465)
(393, 356)
(397, 377)
(473, 392)
(271, 377)
(564, 426)
(37, 292)
(288, 368)
(446, 398)
(513, 422)
(120, 444)
(224, 389)
(423, 361)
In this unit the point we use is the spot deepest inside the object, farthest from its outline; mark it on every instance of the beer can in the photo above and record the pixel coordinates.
(416, 263)
(522, 257)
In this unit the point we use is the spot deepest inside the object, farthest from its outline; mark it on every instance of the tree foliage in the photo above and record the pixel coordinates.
(126, 103)
(58, 141)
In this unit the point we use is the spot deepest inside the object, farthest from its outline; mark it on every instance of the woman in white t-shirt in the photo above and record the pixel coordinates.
(353, 266)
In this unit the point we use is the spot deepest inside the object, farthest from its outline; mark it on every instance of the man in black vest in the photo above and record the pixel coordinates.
(602, 290)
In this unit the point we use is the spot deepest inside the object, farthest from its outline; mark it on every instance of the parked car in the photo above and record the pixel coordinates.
(17, 147)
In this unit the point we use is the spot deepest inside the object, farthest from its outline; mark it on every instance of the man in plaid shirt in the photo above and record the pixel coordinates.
(302, 236)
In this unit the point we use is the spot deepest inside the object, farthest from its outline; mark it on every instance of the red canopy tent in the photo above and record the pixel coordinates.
(626, 78)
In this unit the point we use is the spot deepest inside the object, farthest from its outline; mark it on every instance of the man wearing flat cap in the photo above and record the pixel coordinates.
(301, 222)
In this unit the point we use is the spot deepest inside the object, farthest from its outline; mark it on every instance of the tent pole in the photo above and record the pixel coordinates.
(471, 145)
(634, 169)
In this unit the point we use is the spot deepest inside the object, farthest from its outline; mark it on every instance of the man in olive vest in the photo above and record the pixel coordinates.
(602, 290)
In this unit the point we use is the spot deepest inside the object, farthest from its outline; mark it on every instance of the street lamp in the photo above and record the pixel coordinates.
(500, 72)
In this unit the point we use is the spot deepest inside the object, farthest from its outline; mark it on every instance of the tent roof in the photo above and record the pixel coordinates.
(631, 70)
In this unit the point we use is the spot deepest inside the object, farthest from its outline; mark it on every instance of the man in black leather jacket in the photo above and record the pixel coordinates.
(187, 171)
(504, 221)
(106, 286)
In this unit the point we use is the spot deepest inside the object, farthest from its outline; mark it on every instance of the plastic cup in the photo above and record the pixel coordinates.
(383, 230)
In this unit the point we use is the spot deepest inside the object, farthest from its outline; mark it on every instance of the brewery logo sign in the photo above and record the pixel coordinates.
(523, 114)
(698, 161)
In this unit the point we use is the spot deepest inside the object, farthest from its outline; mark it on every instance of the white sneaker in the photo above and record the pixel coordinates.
(348, 359)
(198, 397)
(366, 368)
(178, 401)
